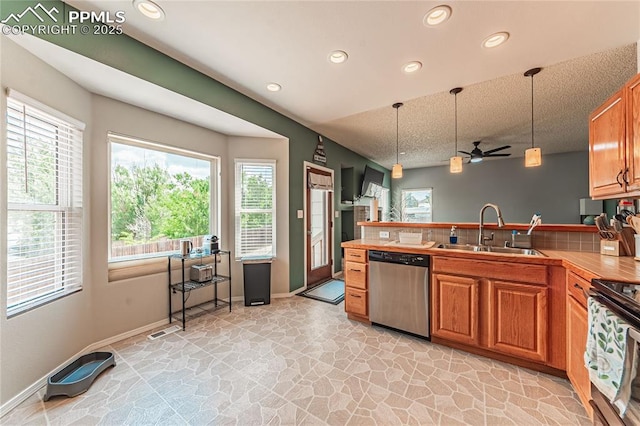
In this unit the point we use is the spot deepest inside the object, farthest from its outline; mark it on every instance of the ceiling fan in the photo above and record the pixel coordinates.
(476, 155)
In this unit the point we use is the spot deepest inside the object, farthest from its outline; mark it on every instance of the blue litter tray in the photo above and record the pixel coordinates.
(78, 376)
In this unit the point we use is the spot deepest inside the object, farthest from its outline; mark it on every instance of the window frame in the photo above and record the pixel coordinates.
(68, 201)
(133, 266)
(238, 210)
(405, 217)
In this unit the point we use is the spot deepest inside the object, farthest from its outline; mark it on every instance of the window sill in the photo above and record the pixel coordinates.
(13, 312)
(128, 269)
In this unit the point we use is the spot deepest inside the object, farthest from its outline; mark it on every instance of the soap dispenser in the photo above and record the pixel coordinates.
(453, 237)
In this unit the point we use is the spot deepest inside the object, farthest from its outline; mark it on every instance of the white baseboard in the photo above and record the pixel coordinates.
(36, 386)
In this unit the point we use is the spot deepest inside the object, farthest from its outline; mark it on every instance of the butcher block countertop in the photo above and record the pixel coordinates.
(588, 265)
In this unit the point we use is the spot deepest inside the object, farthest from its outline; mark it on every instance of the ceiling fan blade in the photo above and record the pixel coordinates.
(496, 149)
(496, 155)
(465, 153)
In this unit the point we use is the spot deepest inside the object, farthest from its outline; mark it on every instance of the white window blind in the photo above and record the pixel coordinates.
(255, 202)
(44, 205)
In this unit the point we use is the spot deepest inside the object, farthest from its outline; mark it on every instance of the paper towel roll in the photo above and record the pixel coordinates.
(373, 206)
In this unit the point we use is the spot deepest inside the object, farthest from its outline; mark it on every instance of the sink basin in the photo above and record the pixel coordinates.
(491, 249)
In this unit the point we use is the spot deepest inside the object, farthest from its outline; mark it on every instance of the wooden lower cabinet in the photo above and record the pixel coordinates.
(496, 313)
(355, 302)
(517, 319)
(455, 304)
(577, 328)
(356, 296)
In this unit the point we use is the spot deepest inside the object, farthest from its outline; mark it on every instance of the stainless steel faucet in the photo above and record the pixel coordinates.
(481, 237)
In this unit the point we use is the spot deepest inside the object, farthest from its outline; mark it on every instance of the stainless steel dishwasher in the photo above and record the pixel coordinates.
(399, 291)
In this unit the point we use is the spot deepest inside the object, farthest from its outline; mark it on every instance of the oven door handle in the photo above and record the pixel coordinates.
(598, 413)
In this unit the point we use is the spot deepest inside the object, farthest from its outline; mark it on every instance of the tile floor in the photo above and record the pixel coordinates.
(300, 361)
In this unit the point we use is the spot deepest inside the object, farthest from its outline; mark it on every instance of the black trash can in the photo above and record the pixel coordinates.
(257, 281)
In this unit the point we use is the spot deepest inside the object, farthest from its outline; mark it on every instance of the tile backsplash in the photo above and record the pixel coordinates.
(550, 240)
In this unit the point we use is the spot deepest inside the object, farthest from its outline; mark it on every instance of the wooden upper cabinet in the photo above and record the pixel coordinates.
(517, 319)
(607, 147)
(614, 144)
(633, 133)
(455, 304)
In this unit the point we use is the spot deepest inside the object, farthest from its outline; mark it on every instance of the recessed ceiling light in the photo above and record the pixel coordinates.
(437, 16)
(495, 40)
(149, 9)
(411, 67)
(402, 153)
(338, 56)
(274, 87)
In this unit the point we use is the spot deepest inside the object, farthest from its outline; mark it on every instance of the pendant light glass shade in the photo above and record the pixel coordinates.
(532, 156)
(396, 172)
(455, 165)
(455, 162)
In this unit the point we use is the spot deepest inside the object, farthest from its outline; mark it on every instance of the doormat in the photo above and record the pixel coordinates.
(331, 292)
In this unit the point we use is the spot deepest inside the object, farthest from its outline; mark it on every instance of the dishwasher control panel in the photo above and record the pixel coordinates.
(401, 258)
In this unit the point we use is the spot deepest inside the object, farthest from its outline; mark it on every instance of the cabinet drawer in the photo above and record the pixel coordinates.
(523, 272)
(355, 255)
(355, 275)
(576, 287)
(355, 301)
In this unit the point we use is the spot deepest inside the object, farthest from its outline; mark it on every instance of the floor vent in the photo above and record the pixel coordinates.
(161, 333)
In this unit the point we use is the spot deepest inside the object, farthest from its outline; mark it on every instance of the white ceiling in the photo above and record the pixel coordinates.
(246, 44)
(124, 87)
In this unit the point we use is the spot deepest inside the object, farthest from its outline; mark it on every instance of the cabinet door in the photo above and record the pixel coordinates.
(577, 329)
(454, 305)
(633, 133)
(607, 147)
(517, 320)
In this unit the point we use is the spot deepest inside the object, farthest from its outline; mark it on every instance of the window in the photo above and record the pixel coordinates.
(415, 205)
(44, 204)
(159, 195)
(255, 208)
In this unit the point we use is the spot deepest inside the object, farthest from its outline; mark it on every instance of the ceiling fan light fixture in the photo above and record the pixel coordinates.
(495, 40)
(396, 171)
(149, 9)
(437, 16)
(476, 159)
(338, 56)
(455, 164)
(532, 156)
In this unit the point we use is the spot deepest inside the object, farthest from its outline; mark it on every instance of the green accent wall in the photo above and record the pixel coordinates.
(135, 58)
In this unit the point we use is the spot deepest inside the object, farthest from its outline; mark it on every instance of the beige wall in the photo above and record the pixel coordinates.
(263, 149)
(33, 343)
(129, 304)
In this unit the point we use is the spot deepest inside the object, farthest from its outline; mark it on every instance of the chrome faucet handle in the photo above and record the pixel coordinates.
(488, 238)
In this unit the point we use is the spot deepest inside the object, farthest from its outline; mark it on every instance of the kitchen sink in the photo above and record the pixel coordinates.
(491, 249)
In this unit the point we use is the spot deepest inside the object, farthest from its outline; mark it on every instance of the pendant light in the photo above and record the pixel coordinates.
(396, 172)
(532, 156)
(455, 163)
